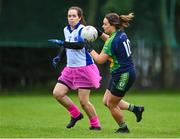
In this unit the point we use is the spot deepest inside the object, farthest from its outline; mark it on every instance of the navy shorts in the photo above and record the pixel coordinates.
(120, 83)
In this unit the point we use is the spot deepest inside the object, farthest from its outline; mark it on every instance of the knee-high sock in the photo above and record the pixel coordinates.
(74, 111)
(94, 122)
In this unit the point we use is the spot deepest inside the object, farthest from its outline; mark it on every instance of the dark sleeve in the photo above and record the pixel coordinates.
(73, 45)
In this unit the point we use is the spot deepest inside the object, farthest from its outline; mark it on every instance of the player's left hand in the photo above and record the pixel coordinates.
(88, 46)
(56, 60)
(99, 32)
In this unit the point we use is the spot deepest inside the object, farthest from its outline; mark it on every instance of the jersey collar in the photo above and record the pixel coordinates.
(69, 27)
(113, 33)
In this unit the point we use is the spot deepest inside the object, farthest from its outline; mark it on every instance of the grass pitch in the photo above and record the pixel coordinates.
(40, 116)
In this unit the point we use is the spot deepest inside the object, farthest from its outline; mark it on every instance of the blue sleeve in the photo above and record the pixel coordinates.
(80, 39)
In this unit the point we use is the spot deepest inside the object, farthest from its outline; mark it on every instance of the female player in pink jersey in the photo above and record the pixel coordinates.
(79, 74)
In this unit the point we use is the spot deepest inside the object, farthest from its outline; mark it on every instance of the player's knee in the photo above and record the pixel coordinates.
(105, 102)
(110, 105)
(57, 94)
(83, 103)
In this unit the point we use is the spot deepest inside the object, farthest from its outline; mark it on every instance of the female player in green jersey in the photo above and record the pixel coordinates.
(117, 50)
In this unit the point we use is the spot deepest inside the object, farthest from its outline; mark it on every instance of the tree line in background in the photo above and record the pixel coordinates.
(29, 23)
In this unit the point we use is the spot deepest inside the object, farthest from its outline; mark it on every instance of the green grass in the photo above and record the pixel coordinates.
(40, 116)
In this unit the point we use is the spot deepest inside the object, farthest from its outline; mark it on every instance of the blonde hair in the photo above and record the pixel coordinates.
(119, 21)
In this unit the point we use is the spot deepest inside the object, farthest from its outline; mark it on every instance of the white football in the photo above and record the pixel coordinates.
(89, 33)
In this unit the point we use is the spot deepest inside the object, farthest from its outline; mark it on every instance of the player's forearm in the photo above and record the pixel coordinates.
(73, 45)
(104, 36)
(97, 57)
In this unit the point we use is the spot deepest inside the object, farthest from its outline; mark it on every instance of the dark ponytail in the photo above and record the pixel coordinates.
(119, 21)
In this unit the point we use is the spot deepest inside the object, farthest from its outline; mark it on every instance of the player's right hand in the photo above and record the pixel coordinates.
(56, 41)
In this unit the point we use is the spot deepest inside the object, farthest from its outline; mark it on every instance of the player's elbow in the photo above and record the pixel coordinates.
(100, 61)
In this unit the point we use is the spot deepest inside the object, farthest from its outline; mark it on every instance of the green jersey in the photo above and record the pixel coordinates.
(118, 49)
